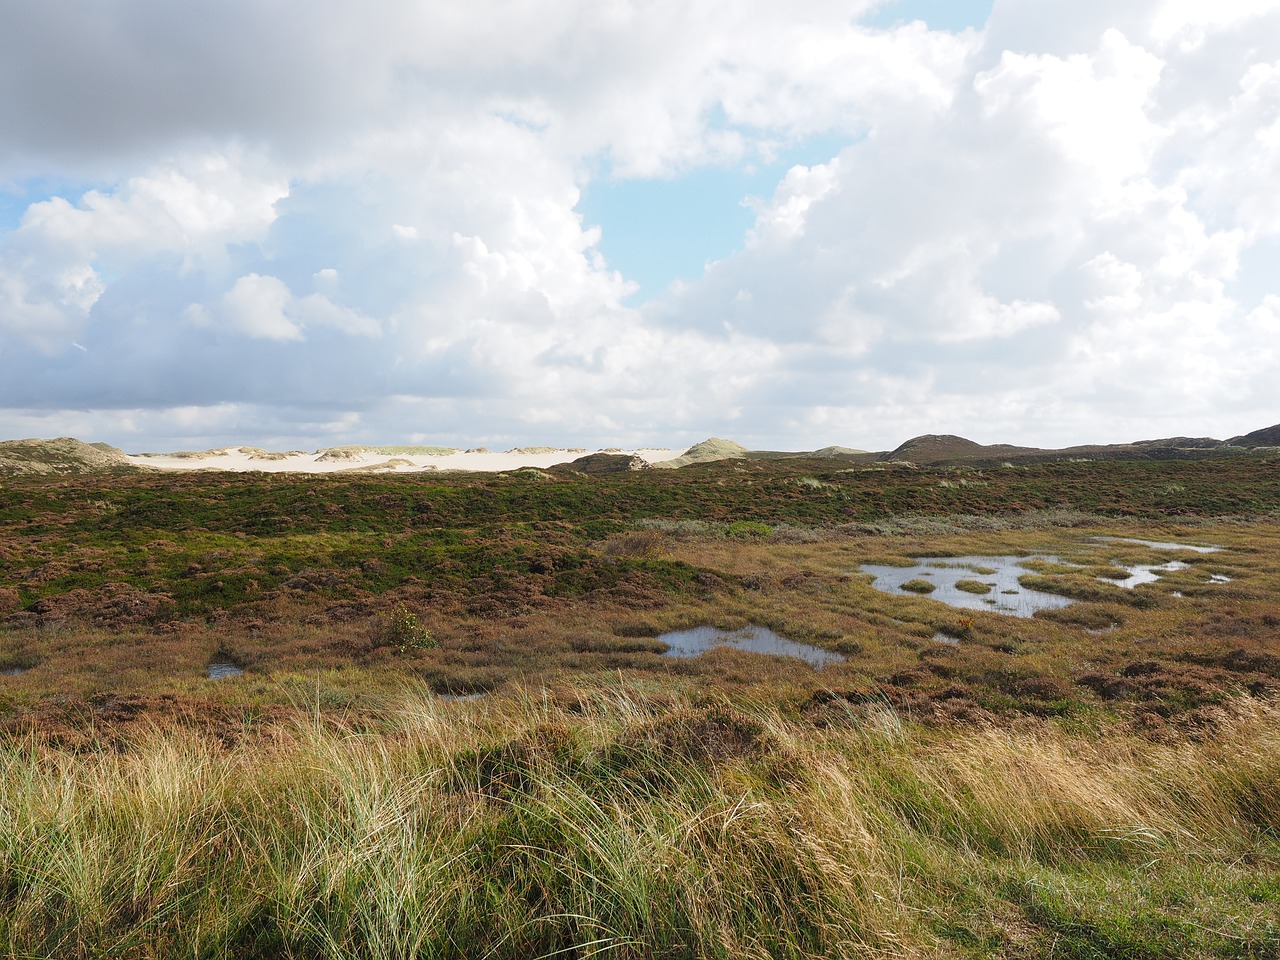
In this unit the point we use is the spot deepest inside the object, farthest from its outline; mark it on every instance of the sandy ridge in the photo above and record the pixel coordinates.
(376, 459)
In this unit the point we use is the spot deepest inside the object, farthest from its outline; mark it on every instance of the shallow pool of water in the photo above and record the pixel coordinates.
(1000, 574)
(1145, 573)
(691, 643)
(1159, 544)
(221, 671)
(13, 671)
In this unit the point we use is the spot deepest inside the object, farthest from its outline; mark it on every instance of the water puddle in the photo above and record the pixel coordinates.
(991, 582)
(1158, 544)
(691, 643)
(223, 670)
(956, 581)
(1145, 573)
(16, 666)
(946, 638)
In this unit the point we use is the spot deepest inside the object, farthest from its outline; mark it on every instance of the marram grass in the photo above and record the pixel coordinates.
(623, 826)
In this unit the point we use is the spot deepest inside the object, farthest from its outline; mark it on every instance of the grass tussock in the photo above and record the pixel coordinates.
(613, 822)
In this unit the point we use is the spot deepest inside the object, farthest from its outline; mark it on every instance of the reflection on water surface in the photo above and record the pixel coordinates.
(1000, 574)
(691, 643)
(991, 583)
(1158, 544)
(1147, 573)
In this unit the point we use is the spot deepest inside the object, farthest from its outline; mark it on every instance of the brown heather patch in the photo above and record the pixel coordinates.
(117, 722)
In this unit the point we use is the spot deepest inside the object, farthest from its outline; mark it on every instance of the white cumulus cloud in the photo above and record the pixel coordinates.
(303, 220)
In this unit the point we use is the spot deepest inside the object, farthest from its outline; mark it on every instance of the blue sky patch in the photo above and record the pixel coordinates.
(953, 15)
(657, 231)
(16, 197)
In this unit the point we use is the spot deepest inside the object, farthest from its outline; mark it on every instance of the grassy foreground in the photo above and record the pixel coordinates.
(630, 822)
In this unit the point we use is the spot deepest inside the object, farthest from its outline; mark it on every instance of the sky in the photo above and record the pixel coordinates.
(638, 222)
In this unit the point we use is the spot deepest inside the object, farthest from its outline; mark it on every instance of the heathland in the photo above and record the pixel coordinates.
(457, 731)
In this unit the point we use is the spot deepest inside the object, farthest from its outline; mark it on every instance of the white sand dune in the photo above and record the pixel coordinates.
(373, 459)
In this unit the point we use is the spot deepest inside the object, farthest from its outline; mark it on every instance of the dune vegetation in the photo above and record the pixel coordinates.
(457, 732)
(629, 822)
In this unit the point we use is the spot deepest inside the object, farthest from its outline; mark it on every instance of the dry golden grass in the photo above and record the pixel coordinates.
(615, 820)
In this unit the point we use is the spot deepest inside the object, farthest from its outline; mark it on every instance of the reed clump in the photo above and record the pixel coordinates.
(617, 822)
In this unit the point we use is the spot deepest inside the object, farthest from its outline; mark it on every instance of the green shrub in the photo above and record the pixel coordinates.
(405, 632)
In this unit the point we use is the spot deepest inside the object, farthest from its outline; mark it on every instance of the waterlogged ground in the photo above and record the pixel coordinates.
(985, 583)
(116, 597)
(998, 583)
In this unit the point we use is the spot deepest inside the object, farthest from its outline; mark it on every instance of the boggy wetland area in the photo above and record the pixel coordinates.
(1011, 710)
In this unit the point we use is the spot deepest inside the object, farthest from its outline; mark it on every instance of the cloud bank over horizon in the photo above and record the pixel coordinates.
(303, 224)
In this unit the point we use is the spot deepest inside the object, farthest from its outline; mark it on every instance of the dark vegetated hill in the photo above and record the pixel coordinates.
(941, 450)
(1179, 443)
(1266, 437)
(600, 463)
(935, 448)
